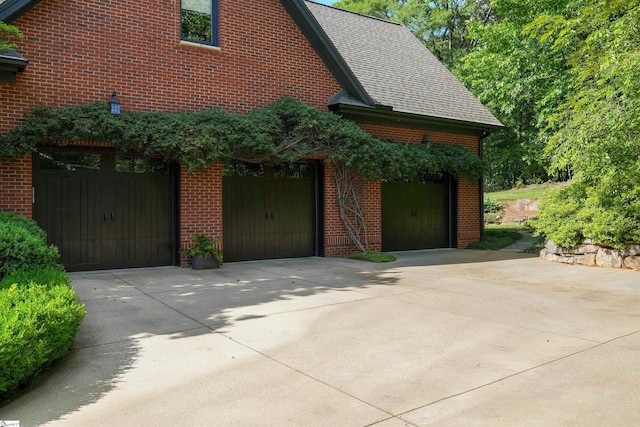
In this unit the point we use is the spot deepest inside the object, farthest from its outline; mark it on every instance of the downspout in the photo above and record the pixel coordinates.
(485, 134)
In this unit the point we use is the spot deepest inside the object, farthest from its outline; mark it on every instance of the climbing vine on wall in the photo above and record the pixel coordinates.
(285, 131)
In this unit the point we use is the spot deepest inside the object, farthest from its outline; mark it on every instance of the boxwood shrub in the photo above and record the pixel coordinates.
(23, 246)
(39, 311)
(39, 316)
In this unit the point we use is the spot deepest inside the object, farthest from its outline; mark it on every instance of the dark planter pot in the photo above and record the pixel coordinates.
(198, 262)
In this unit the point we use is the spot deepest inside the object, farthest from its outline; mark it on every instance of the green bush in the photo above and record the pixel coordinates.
(23, 246)
(49, 277)
(491, 206)
(607, 213)
(24, 222)
(39, 316)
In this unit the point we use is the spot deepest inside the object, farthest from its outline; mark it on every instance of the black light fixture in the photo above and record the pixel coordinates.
(114, 104)
(426, 139)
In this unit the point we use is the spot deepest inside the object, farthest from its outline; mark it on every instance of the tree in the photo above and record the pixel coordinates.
(517, 76)
(384, 9)
(8, 33)
(522, 80)
(596, 132)
(440, 24)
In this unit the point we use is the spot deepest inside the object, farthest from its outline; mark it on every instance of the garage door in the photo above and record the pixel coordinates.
(269, 211)
(418, 215)
(104, 211)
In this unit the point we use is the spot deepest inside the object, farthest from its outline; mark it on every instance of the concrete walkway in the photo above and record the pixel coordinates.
(445, 337)
(523, 244)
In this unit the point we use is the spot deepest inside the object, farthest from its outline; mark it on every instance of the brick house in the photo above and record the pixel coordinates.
(105, 209)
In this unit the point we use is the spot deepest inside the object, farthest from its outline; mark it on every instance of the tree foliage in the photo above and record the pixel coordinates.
(8, 35)
(522, 80)
(440, 24)
(596, 132)
(517, 76)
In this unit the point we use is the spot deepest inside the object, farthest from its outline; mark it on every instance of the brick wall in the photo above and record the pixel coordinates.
(15, 186)
(201, 206)
(336, 238)
(81, 50)
(468, 192)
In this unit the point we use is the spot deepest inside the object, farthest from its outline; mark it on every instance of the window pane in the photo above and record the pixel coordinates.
(293, 171)
(238, 168)
(69, 161)
(196, 20)
(135, 164)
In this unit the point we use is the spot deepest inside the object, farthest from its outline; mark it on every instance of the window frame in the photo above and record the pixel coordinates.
(214, 26)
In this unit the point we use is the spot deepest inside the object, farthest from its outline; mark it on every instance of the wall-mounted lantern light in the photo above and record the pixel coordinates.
(114, 104)
(426, 139)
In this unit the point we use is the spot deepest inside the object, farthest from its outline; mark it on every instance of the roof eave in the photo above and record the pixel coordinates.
(10, 64)
(11, 10)
(321, 43)
(394, 118)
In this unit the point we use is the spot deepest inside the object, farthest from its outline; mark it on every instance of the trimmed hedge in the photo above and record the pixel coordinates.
(39, 316)
(23, 246)
(24, 222)
(39, 311)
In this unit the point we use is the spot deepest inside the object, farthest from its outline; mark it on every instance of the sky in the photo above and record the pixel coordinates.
(325, 1)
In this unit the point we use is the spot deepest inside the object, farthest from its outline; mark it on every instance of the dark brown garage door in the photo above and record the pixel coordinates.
(269, 211)
(105, 211)
(418, 215)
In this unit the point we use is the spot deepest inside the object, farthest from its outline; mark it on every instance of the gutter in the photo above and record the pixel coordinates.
(11, 63)
(386, 116)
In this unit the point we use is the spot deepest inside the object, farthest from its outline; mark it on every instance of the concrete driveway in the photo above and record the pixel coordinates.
(441, 337)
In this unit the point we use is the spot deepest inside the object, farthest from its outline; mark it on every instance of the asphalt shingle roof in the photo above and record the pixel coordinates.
(396, 69)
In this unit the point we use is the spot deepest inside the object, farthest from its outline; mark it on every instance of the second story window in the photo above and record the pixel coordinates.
(199, 21)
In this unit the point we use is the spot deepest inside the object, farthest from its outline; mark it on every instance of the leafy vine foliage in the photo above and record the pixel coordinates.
(283, 132)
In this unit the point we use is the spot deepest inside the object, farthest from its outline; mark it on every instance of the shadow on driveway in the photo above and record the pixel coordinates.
(127, 306)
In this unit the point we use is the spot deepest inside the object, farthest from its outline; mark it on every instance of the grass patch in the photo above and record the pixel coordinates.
(497, 238)
(531, 192)
(514, 227)
(373, 256)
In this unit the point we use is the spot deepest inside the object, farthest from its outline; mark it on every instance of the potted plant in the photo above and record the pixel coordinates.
(205, 254)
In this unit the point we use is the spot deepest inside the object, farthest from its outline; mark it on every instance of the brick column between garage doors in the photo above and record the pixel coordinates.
(336, 238)
(200, 204)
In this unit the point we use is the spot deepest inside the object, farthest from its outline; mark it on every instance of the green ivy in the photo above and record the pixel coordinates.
(285, 131)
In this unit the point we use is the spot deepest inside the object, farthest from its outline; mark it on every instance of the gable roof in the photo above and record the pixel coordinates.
(392, 69)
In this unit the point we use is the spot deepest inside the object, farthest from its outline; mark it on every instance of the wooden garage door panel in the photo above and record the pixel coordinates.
(291, 230)
(244, 218)
(266, 217)
(415, 216)
(138, 231)
(101, 220)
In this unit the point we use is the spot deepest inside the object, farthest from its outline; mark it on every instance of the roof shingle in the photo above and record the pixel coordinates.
(396, 69)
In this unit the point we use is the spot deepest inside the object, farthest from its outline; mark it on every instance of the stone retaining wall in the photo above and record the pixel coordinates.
(593, 255)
